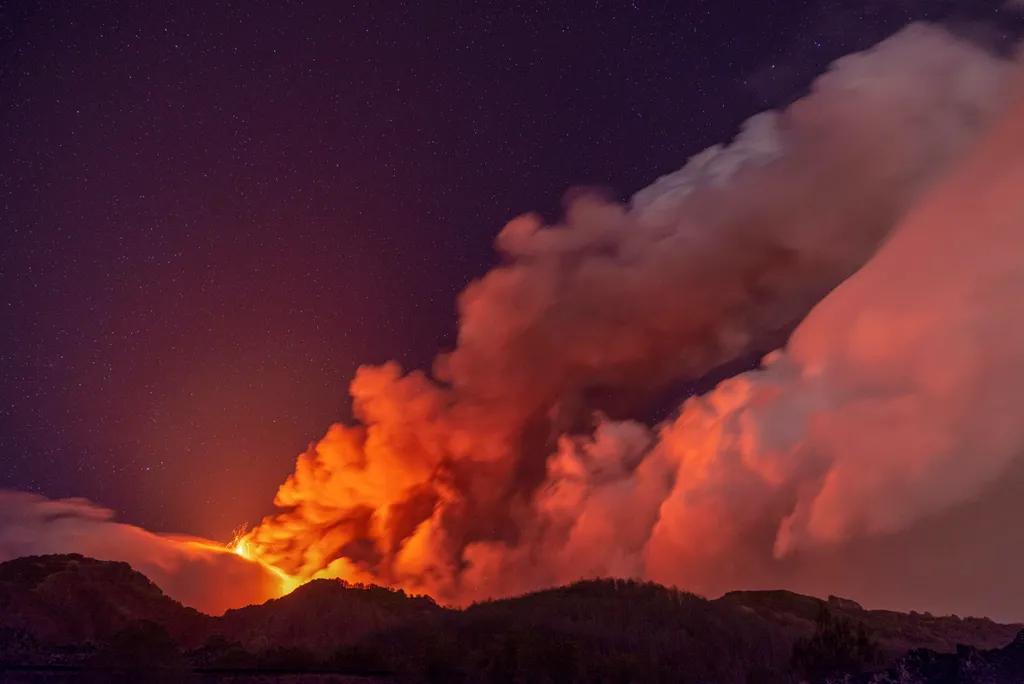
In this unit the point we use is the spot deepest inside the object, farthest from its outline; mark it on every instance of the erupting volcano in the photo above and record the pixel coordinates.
(876, 217)
(485, 479)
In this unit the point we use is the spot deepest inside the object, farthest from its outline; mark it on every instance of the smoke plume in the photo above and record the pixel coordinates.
(891, 410)
(470, 483)
(522, 461)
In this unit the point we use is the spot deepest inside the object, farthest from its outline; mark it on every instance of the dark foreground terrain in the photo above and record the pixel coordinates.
(967, 665)
(111, 677)
(69, 618)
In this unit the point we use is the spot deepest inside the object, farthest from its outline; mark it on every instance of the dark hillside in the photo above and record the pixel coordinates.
(321, 616)
(604, 630)
(79, 612)
(966, 666)
(895, 633)
(71, 599)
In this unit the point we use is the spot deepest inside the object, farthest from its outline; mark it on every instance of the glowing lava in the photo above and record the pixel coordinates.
(241, 546)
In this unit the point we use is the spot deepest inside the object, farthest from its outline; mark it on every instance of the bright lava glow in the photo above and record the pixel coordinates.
(241, 546)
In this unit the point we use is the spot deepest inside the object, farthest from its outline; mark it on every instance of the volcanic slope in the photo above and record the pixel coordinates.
(56, 608)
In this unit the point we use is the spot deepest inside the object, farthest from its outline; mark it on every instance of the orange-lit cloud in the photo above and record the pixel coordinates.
(471, 484)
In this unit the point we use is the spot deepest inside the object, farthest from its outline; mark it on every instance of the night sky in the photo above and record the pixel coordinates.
(213, 213)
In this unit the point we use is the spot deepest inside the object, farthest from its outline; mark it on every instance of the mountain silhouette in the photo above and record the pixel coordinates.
(76, 612)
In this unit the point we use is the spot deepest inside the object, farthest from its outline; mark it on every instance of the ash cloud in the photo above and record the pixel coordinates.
(882, 445)
(470, 484)
(714, 260)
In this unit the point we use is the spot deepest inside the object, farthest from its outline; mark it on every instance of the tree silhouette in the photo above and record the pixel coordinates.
(141, 645)
(836, 647)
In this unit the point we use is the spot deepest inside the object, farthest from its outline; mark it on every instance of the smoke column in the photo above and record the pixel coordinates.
(519, 463)
(892, 409)
(470, 484)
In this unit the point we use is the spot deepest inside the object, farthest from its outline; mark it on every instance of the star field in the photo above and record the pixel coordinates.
(212, 214)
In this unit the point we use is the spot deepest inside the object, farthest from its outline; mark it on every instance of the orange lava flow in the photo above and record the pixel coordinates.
(241, 546)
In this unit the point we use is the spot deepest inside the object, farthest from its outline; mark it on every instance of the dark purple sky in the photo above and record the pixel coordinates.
(212, 214)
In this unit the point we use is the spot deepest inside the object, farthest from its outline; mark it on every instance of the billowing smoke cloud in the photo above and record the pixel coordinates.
(196, 572)
(893, 406)
(715, 259)
(470, 485)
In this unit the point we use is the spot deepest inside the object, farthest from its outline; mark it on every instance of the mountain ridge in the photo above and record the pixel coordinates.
(71, 610)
